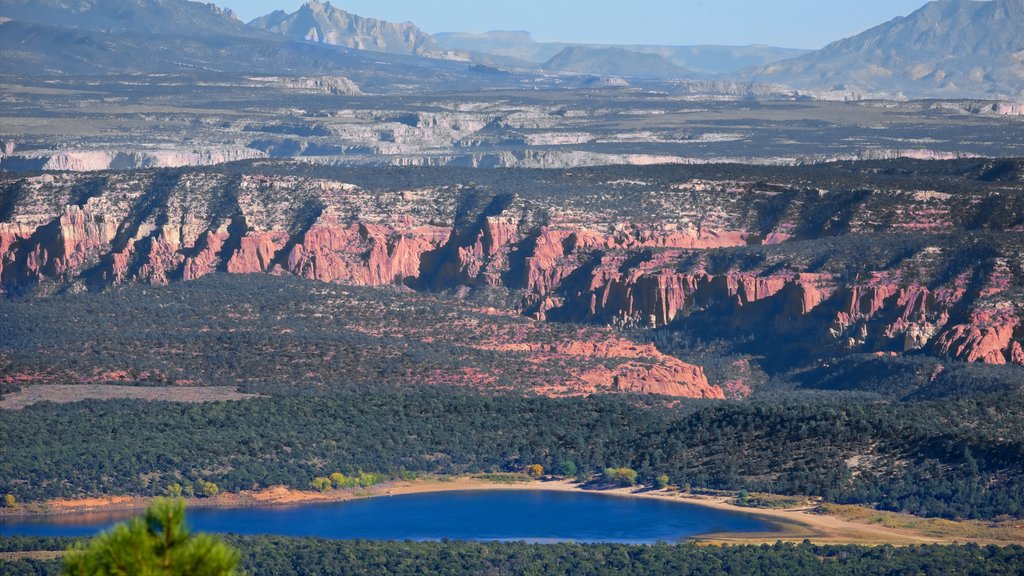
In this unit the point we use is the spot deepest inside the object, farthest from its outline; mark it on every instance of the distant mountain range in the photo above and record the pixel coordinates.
(72, 37)
(323, 23)
(948, 48)
(707, 59)
(613, 62)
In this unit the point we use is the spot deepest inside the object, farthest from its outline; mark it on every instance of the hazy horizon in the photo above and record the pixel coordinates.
(808, 24)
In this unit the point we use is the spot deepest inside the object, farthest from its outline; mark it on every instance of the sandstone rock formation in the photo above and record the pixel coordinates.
(619, 365)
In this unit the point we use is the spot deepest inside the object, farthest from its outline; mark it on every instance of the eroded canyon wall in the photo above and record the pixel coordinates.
(843, 270)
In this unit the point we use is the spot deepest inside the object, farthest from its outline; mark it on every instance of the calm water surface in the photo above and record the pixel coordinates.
(536, 516)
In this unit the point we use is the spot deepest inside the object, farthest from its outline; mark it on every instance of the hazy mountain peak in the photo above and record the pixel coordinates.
(506, 35)
(322, 23)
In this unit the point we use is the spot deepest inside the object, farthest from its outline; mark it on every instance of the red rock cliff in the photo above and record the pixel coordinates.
(580, 262)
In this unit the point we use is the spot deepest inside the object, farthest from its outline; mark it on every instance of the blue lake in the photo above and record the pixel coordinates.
(530, 515)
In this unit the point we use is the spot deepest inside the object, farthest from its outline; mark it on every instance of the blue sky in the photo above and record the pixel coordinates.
(789, 23)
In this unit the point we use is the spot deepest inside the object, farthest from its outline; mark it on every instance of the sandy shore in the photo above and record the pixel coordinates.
(789, 525)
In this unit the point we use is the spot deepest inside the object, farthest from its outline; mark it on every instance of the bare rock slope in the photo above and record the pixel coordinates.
(322, 23)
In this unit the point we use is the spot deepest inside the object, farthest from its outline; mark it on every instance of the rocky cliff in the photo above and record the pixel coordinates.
(834, 271)
(92, 160)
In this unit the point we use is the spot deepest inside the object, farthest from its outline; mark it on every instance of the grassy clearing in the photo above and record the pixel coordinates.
(504, 477)
(1000, 531)
(64, 393)
(770, 501)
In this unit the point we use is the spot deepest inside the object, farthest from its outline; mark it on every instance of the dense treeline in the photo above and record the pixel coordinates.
(280, 556)
(271, 556)
(264, 334)
(967, 175)
(943, 459)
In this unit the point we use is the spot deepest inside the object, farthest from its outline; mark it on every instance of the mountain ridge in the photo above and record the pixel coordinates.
(947, 48)
(699, 58)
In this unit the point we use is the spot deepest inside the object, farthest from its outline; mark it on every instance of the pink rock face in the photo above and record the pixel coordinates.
(205, 260)
(1017, 353)
(361, 254)
(161, 260)
(749, 288)
(256, 252)
(808, 293)
(623, 366)
(1009, 108)
(683, 380)
(77, 236)
(987, 338)
(81, 235)
(8, 236)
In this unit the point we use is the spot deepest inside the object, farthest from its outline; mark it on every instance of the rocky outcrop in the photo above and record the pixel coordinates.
(612, 363)
(1009, 108)
(334, 85)
(990, 336)
(84, 161)
(913, 153)
(256, 252)
(360, 253)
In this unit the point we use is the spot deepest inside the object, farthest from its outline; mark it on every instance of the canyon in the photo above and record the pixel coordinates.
(352, 118)
(927, 263)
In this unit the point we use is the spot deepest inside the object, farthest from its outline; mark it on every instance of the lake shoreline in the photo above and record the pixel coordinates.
(788, 525)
